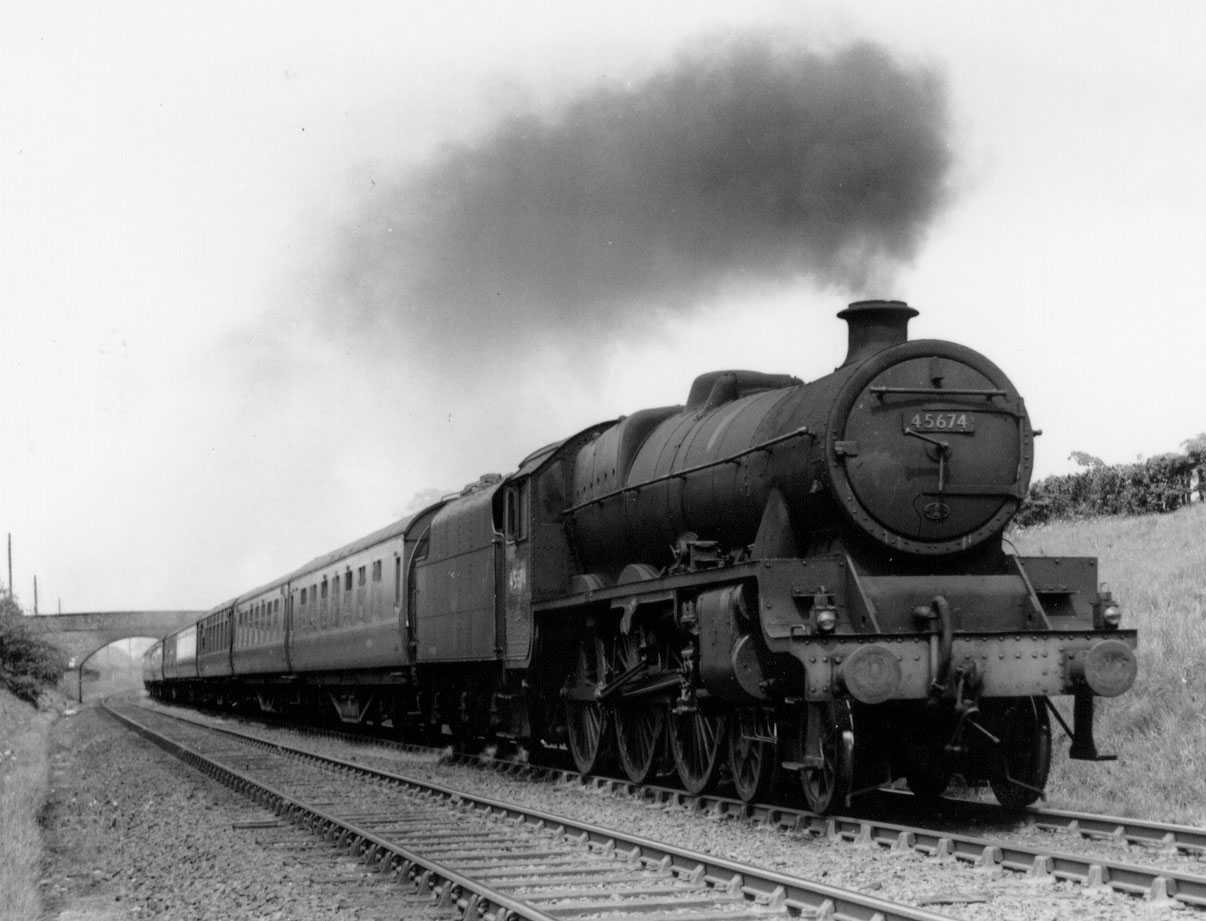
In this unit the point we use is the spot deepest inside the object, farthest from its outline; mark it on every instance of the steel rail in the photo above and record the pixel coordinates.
(1135, 831)
(1165, 835)
(448, 885)
(765, 888)
(1133, 879)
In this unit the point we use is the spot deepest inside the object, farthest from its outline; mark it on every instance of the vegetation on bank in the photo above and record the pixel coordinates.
(28, 664)
(1156, 567)
(29, 667)
(1159, 484)
(24, 775)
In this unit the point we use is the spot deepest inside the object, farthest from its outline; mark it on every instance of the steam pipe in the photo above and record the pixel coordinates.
(946, 644)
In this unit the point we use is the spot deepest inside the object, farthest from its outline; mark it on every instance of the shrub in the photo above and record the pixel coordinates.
(1158, 484)
(28, 664)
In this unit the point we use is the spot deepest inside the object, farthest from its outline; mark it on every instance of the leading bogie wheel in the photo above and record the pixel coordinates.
(587, 720)
(828, 756)
(928, 773)
(1021, 762)
(753, 751)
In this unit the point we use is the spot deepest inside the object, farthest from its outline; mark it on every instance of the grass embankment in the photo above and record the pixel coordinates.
(1156, 567)
(24, 774)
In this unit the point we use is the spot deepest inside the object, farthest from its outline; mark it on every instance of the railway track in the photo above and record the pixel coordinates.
(1119, 872)
(1164, 836)
(492, 860)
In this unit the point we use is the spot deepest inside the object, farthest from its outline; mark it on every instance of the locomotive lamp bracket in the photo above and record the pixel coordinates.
(824, 611)
(1106, 612)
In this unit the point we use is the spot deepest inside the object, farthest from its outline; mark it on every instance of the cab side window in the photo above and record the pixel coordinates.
(515, 511)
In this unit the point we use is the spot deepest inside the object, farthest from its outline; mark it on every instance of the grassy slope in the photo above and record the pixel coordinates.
(1156, 567)
(24, 770)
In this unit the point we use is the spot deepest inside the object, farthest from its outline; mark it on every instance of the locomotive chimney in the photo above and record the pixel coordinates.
(874, 326)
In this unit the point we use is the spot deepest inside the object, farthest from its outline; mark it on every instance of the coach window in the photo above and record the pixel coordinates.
(324, 586)
(360, 576)
(347, 585)
(376, 570)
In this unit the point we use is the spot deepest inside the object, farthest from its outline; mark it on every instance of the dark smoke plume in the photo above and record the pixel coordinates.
(744, 162)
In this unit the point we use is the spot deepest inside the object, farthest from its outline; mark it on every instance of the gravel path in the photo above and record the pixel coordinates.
(133, 833)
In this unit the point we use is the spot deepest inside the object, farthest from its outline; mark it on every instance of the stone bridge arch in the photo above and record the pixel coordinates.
(81, 635)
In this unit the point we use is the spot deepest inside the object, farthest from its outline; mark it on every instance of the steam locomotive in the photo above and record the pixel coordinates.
(789, 581)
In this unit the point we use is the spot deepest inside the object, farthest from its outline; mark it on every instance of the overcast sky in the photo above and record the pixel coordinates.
(193, 401)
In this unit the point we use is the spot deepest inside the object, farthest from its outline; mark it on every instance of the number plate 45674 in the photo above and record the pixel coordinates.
(940, 420)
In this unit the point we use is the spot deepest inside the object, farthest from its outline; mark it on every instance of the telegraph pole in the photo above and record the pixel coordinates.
(35, 596)
(10, 564)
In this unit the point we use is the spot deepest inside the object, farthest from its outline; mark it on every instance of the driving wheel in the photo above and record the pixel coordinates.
(696, 735)
(640, 724)
(753, 751)
(587, 719)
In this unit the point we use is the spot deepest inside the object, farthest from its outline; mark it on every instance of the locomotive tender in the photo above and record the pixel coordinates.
(796, 580)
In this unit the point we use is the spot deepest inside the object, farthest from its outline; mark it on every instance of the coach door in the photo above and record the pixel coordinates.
(287, 591)
(517, 569)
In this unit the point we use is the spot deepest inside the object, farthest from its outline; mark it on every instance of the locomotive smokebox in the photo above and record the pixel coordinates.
(874, 326)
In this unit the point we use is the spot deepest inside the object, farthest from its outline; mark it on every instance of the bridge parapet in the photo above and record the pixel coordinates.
(129, 623)
(81, 634)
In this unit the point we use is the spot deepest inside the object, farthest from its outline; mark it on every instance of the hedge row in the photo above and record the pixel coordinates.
(28, 664)
(1158, 484)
